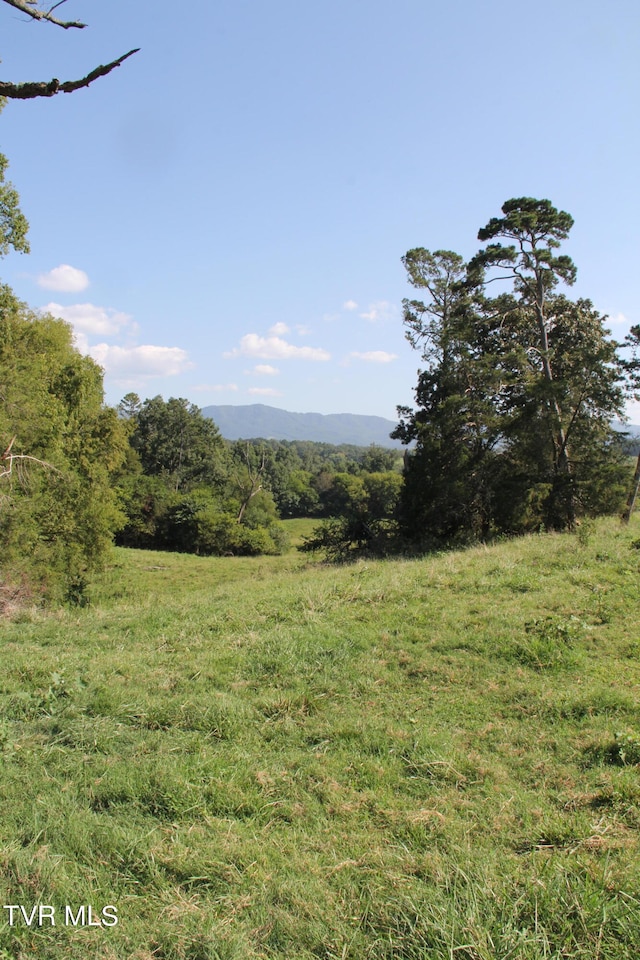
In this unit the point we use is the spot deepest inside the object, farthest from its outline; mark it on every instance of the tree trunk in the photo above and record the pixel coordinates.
(559, 439)
(632, 494)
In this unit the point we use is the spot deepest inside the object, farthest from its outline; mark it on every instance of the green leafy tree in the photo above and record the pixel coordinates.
(363, 509)
(194, 493)
(297, 497)
(174, 441)
(377, 459)
(201, 522)
(13, 223)
(58, 509)
(573, 371)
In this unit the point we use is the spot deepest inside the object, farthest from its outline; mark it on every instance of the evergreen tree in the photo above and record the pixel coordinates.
(513, 422)
(455, 427)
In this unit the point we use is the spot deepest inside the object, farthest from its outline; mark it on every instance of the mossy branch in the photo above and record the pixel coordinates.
(29, 91)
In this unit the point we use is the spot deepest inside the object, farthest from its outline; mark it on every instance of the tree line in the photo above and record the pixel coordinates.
(186, 488)
(511, 429)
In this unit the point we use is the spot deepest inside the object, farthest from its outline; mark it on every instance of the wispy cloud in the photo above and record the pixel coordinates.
(380, 311)
(275, 348)
(264, 392)
(264, 370)
(215, 387)
(92, 320)
(64, 279)
(350, 305)
(375, 356)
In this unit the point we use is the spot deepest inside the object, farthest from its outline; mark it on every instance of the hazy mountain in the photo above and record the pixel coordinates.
(271, 423)
(259, 420)
(632, 444)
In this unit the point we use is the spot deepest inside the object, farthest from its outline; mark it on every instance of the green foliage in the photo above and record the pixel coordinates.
(256, 482)
(363, 512)
(145, 502)
(185, 490)
(199, 522)
(13, 223)
(512, 428)
(174, 441)
(537, 228)
(58, 510)
(297, 495)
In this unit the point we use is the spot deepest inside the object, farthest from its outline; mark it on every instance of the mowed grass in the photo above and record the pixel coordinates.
(272, 758)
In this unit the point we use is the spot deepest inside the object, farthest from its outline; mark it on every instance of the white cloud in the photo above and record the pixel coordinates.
(274, 348)
(375, 356)
(145, 360)
(265, 369)
(89, 319)
(278, 329)
(380, 311)
(215, 387)
(302, 330)
(81, 341)
(619, 321)
(265, 391)
(350, 305)
(131, 364)
(64, 279)
(632, 410)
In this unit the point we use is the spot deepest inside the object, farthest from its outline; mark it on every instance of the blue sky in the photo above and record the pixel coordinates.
(222, 218)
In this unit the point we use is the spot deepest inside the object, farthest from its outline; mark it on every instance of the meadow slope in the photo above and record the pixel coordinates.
(271, 758)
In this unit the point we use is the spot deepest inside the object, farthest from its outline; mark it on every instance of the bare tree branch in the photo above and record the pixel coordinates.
(254, 481)
(31, 9)
(8, 458)
(28, 91)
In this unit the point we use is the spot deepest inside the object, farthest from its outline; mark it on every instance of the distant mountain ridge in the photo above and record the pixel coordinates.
(259, 420)
(255, 420)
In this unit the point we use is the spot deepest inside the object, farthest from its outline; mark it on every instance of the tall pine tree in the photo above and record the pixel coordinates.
(512, 428)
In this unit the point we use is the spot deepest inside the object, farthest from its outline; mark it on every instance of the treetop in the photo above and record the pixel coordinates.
(531, 219)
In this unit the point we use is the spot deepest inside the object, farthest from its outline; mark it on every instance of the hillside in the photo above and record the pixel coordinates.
(266, 758)
(259, 420)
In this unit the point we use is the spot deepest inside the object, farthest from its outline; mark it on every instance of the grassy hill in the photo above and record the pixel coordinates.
(269, 758)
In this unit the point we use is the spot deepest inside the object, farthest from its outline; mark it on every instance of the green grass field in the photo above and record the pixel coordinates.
(432, 759)
(297, 530)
